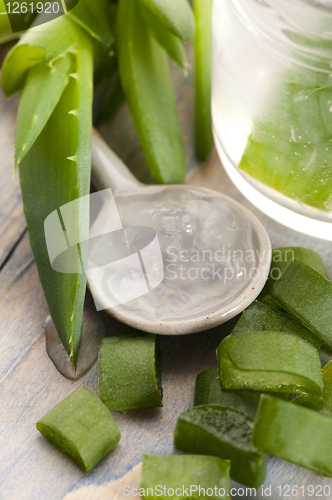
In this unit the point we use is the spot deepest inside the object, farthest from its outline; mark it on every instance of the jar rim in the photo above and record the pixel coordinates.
(323, 4)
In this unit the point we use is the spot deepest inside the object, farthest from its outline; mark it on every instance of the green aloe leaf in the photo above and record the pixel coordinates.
(94, 17)
(203, 53)
(147, 84)
(6, 33)
(42, 92)
(53, 173)
(176, 15)
(46, 43)
(172, 44)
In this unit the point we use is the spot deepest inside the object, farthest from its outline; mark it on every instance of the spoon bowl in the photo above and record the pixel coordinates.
(171, 259)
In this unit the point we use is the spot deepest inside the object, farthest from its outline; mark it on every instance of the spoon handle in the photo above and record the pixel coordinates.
(108, 171)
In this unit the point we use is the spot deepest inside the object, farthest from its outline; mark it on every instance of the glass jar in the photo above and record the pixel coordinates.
(272, 106)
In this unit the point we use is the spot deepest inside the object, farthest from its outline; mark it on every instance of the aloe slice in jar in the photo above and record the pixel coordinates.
(82, 428)
(225, 433)
(184, 474)
(296, 434)
(129, 372)
(307, 296)
(321, 404)
(269, 361)
(208, 391)
(289, 148)
(260, 317)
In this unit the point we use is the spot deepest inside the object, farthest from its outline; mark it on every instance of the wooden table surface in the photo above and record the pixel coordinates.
(30, 468)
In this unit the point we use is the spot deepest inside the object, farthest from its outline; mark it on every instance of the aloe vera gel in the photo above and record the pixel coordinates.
(272, 103)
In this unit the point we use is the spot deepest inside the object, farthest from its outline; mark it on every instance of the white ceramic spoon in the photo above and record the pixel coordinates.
(171, 259)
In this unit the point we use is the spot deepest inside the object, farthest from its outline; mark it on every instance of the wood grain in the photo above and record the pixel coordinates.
(12, 220)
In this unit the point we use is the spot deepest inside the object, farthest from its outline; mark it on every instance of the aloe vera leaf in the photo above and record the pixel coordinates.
(203, 56)
(42, 92)
(172, 44)
(6, 33)
(55, 172)
(176, 15)
(147, 84)
(45, 43)
(94, 17)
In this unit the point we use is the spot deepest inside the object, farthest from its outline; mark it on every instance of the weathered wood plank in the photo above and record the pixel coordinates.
(12, 220)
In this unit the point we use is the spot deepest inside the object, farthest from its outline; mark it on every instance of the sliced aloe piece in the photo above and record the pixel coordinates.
(172, 44)
(296, 434)
(321, 404)
(260, 317)
(208, 391)
(176, 15)
(282, 256)
(147, 84)
(82, 428)
(129, 372)
(225, 433)
(289, 147)
(94, 17)
(269, 361)
(203, 56)
(42, 92)
(307, 296)
(55, 172)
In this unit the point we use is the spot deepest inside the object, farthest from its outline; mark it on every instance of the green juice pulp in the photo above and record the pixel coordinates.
(290, 145)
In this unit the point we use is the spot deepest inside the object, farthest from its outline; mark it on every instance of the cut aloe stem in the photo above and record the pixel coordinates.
(321, 404)
(260, 317)
(269, 361)
(282, 256)
(208, 391)
(307, 296)
(289, 148)
(191, 476)
(296, 434)
(225, 433)
(129, 372)
(82, 428)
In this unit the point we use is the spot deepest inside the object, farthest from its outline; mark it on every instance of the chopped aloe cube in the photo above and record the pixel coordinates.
(289, 148)
(269, 361)
(208, 391)
(293, 433)
(260, 317)
(82, 428)
(282, 256)
(307, 296)
(226, 433)
(184, 476)
(321, 404)
(129, 372)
